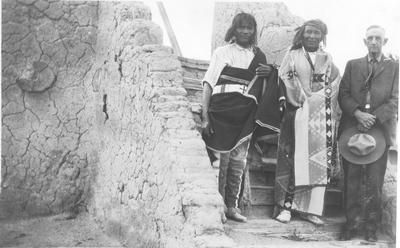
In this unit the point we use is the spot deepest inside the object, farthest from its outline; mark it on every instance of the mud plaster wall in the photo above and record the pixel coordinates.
(94, 115)
(47, 150)
(154, 186)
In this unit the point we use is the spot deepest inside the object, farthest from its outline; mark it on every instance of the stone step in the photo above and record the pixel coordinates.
(197, 64)
(265, 164)
(256, 161)
(260, 212)
(192, 83)
(262, 195)
(262, 178)
(271, 161)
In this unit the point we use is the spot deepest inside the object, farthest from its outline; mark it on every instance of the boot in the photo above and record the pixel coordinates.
(370, 235)
(233, 214)
(347, 233)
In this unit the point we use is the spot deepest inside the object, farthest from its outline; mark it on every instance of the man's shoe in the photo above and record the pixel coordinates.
(233, 214)
(371, 236)
(313, 219)
(284, 216)
(347, 234)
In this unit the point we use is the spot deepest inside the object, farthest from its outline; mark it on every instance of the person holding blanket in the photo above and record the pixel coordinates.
(306, 146)
(232, 87)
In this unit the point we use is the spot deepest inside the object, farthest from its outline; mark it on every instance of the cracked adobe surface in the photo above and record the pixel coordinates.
(47, 52)
(112, 131)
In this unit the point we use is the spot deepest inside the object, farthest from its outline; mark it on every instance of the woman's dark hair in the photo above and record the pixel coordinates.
(237, 21)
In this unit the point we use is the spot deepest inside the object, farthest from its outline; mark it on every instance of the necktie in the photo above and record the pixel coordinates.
(372, 68)
(373, 65)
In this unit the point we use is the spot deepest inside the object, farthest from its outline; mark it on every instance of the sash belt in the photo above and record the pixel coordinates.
(225, 88)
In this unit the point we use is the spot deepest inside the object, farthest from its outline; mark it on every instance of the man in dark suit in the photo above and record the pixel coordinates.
(368, 96)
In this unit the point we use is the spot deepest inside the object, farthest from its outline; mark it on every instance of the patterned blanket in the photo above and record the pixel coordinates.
(307, 146)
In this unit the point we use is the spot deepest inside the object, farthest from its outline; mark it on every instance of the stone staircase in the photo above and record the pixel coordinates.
(262, 180)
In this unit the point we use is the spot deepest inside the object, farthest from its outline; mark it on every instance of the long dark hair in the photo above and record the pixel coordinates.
(298, 37)
(237, 21)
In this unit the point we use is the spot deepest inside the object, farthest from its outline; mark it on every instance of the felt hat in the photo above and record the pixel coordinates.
(362, 148)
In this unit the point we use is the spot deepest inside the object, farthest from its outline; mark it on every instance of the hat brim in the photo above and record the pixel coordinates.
(358, 159)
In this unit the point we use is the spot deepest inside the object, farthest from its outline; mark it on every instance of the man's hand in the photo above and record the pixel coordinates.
(263, 70)
(365, 119)
(206, 126)
(361, 128)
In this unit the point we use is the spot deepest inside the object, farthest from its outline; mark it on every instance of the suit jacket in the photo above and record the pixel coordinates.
(384, 94)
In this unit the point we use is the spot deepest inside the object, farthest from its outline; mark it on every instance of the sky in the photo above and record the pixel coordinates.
(347, 21)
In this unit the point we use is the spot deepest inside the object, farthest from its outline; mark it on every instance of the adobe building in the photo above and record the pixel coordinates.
(99, 117)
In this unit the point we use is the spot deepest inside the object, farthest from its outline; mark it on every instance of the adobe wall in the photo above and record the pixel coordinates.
(95, 119)
(154, 184)
(47, 148)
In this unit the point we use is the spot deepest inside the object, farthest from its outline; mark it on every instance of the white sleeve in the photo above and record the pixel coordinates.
(215, 68)
(295, 93)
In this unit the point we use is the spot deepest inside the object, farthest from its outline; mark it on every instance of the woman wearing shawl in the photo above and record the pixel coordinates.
(230, 96)
(306, 148)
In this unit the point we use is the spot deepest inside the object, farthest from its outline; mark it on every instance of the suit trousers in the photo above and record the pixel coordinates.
(363, 193)
(235, 163)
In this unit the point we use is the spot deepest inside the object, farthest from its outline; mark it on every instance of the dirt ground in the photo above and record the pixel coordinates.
(82, 231)
(54, 231)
